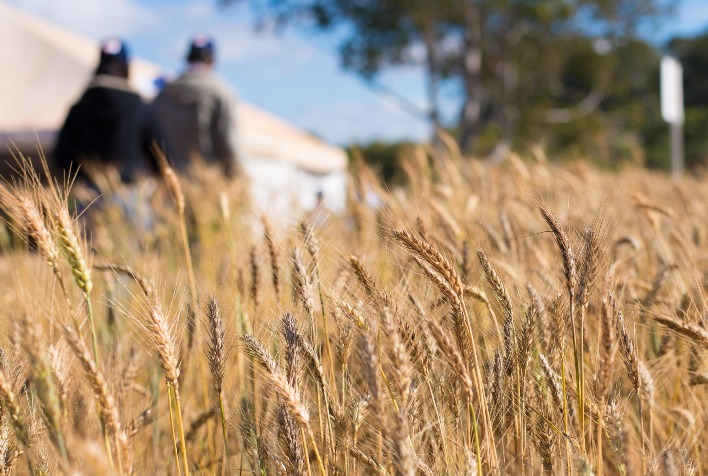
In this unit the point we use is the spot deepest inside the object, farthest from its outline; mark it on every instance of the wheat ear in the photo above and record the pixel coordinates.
(46, 389)
(106, 403)
(285, 390)
(273, 254)
(694, 333)
(628, 352)
(293, 370)
(571, 280)
(12, 407)
(216, 357)
(26, 211)
(72, 249)
(160, 334)
(313, 248)
(302, 286)
(428, 253)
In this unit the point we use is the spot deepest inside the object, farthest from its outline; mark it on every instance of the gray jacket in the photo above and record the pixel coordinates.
(198, 114)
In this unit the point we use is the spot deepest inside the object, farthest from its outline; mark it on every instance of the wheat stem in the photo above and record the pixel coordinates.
(565, 413)
(224, 431)
(94, 337)
(188, 259)
(172, 426)
(477, 447)
(316, 451)
(180, 426)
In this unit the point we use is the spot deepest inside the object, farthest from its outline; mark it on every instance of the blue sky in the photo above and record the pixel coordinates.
(295, 76)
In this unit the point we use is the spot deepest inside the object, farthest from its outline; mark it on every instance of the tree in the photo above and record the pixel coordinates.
(693, 55)
(504, 55)
(375, 34)
(518, 51)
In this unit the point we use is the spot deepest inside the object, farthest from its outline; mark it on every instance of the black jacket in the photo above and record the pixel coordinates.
(110, 125)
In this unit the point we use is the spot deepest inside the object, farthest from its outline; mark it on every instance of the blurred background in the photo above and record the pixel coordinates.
(575, 78)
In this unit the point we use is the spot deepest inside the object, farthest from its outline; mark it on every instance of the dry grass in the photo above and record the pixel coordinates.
(371, 343)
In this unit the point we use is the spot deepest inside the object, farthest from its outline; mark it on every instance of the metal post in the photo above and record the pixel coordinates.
(676, 148)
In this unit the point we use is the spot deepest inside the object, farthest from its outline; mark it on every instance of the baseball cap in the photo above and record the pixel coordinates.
(114, 49)
(201, 48)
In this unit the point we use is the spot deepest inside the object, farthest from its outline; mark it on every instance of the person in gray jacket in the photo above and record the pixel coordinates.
(198, 112)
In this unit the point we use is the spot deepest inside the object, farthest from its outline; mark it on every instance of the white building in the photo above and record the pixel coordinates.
(45, 69)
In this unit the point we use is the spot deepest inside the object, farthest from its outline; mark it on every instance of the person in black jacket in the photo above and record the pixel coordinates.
(110, 125)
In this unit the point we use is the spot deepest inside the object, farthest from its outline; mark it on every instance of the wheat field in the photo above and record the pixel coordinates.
(517, 318)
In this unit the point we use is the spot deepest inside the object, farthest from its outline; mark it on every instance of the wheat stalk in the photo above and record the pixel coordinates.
(174, 187)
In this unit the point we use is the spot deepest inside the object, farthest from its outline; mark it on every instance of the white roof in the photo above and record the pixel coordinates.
(46, 68)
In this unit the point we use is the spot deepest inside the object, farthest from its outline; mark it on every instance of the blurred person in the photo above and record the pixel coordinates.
(110, 129)
(320, 212)
(110, 125)
(198, 111)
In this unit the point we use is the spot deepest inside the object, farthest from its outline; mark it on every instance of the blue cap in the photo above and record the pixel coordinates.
(114, 50)
(201, 49)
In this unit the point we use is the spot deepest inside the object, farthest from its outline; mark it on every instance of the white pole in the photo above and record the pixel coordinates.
(672, 108)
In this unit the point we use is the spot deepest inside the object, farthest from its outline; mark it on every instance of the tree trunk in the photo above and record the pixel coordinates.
(472, 76)
(433, 77)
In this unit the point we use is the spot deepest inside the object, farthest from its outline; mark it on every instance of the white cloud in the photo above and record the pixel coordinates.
(94, 18)
(238, 44)
(236, 40)
(199, 10)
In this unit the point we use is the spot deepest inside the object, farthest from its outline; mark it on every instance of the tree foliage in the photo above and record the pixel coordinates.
(571, 74)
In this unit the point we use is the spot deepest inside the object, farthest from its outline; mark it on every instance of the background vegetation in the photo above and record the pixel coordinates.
(577, 78)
